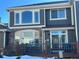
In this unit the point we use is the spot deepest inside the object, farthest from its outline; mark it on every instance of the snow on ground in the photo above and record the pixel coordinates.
(6, 57)
(23, 57)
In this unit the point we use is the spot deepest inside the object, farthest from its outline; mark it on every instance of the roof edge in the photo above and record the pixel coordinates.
(39, 4)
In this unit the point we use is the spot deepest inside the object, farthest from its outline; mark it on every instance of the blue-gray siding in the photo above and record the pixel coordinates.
(1, 39)
(58, 23)
(71, 36)
(7, 39)
(11, 19)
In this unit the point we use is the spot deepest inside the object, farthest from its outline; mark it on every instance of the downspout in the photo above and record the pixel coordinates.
(76, 29)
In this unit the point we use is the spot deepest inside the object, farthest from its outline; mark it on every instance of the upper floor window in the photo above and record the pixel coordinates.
(36, 17)
(27, 17)
(17, 18)
(57, 14)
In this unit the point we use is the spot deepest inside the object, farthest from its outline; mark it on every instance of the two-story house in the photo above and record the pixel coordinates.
(52, 26)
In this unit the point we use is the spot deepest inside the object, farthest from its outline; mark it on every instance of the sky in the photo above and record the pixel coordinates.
(5, 4)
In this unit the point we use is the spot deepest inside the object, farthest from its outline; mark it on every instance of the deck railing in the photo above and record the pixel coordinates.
(31, 50)
(66, 48)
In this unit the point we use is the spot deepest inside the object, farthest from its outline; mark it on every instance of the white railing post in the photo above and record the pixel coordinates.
(60, 54)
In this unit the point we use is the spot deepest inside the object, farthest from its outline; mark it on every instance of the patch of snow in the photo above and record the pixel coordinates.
(30, 57)
(5, 57)
(24, 57)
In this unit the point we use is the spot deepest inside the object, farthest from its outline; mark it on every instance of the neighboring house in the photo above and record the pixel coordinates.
(3, 35)
(52, 26)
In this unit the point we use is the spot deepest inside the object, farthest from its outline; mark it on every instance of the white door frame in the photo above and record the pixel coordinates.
(66, 38)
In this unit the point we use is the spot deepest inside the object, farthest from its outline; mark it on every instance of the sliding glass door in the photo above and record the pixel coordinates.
(58, 38)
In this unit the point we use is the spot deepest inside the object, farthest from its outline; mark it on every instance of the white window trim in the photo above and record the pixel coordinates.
(20, 21)
(66, 37)
(15, 17)
(72, 14)
(4, 45)
(57, 15)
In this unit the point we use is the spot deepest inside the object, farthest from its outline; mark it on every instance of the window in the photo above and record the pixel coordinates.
(58, 37)
(17, 18)
(57, 14)
(36, 17)
(27, 17)
(29, 37)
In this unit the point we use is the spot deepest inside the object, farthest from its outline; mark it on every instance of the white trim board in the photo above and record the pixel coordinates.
(56, 7)
(61, 28)
(40, 26)
(76, 29)
(9, 19)
(3, 29)
(76, 0)
(41, 6)
(72, 14)
(44, 17)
